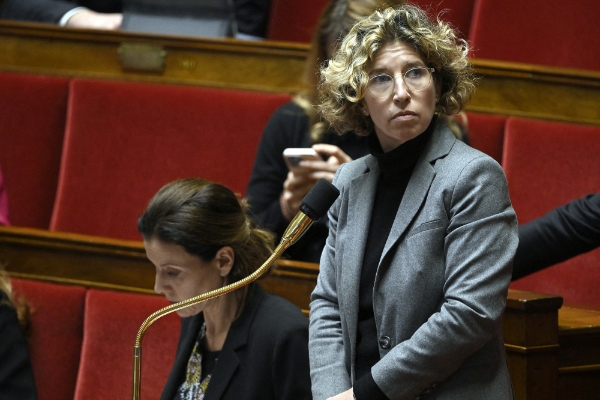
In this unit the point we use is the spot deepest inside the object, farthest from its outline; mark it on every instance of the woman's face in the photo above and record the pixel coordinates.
(181, 275)
(404, 114)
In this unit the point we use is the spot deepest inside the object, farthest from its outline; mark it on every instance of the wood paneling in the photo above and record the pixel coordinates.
(553, 352)
(504, 88)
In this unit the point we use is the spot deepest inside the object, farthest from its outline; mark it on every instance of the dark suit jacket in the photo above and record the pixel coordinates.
(252, 16)
(265, 355)
(564, 232)
(16, 376)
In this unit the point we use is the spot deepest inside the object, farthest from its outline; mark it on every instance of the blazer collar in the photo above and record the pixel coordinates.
(439, 146)
(237, 338)
(361, 195)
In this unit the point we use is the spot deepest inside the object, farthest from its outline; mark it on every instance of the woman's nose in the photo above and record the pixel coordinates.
(158, 285)
(401, 92)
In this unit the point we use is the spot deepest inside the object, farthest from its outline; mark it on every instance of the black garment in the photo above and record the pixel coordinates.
(288, 127)
(265, 355)
(252, 16)
(564, 232)
(396, 169)
(16, 375)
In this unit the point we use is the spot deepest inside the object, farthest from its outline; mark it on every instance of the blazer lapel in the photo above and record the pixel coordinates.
(439, 145)
(361, 194)
(237, 337)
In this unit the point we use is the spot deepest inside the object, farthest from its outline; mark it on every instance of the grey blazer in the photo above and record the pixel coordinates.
(441, 285)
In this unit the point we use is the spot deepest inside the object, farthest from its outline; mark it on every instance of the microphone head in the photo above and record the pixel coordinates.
(316, 202)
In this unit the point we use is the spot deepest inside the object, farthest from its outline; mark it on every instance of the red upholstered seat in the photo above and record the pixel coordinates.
(112, 321)
(294, 20)
(545, 32)
(547, 165)
(124, 141)
(55, 334)
(31, 136)
(486, 133)
(457, 12)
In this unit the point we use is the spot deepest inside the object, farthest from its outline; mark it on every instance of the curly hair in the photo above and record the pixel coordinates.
(345, 78)
(336, 19)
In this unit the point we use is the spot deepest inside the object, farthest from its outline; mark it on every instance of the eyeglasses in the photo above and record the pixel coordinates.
(416, 79)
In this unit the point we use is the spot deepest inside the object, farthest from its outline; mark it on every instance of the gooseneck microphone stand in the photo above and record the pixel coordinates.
(314, 205)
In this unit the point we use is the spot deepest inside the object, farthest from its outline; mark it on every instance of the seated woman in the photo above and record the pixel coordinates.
(16, 375)
(415, 272)
(246, 344)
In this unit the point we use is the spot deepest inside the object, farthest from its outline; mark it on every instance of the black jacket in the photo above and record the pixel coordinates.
(564, 232)
(265, 355)
(16, 376)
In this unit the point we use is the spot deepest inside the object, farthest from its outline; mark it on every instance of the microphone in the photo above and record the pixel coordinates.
(314, 206)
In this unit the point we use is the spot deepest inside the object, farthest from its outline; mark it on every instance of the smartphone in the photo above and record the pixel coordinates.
(293, 156)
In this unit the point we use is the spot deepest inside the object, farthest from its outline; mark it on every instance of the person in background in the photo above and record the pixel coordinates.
(246, 344)
(251, 16)
(563, 233)
(274, 192)
(3, 203)
(16, 374)
(415, 272)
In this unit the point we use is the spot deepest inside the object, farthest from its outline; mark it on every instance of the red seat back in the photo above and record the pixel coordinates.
(456, 12)
(548, 164)
(546, 32)
(112, 321)
(32, 126)
(294, 20)
(124, 141)
(54, 336)
(486, 133)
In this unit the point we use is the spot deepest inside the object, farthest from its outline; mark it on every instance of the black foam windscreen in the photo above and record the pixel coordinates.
(316, 202)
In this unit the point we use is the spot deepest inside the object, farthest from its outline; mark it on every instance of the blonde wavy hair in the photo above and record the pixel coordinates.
(344, 80)
(336, 19)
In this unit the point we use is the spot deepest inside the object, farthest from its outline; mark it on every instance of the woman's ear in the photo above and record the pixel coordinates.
(438, 90)
(224, 260)
(363, 108)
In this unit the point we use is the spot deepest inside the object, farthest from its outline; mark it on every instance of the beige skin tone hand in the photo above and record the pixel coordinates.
(93, 20)
(347, 395)
(302, 179)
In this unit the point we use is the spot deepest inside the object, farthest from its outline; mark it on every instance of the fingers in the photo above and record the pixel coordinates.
(333, 153)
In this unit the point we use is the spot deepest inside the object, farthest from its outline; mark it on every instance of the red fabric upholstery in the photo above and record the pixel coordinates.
(55, 334)
(457, 12)
(545, 32)
(31, 135)
(486, 133)
(112, 321)
(125, 140)
(294, 20)
(549, 164)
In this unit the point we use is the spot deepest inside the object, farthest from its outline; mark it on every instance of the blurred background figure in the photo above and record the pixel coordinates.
(251, 16)
(16, 375)
(274, 192)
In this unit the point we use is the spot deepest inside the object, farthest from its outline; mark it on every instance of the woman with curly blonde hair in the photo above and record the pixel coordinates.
(415, 271)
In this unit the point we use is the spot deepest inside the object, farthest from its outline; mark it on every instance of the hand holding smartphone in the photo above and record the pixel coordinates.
(293, 156)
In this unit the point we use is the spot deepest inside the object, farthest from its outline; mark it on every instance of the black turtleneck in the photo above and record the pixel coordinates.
(396, 169)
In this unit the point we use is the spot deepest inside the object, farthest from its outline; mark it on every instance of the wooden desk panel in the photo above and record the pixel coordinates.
(504, 88)
(552, 352)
